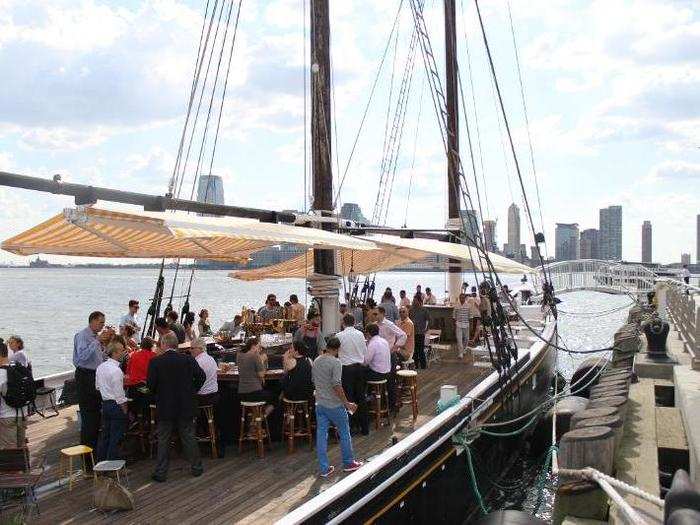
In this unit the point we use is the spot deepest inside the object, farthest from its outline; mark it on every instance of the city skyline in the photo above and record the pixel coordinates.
(102, 99)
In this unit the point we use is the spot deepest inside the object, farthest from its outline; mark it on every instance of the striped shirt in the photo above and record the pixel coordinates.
(461, 314)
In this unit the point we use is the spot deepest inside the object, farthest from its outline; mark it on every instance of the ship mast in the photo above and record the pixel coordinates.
(321, 165)
(453, 191)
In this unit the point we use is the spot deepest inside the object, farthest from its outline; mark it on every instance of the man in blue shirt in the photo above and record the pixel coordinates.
(88, 354)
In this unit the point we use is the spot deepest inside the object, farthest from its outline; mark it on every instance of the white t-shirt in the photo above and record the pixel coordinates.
(210, 369)
(5, 410)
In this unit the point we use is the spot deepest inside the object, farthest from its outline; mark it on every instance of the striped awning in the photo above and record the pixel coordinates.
(390, 252)
(95, 232)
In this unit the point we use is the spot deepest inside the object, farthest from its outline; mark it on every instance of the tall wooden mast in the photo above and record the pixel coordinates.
(451, 95)
(321, 165)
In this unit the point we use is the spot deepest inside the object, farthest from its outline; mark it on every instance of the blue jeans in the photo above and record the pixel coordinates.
(114, 422)
(339, 417)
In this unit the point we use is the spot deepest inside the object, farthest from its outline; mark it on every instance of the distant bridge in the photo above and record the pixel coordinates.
(612, 277)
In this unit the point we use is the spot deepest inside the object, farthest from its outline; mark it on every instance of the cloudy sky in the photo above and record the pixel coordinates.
(97, 91)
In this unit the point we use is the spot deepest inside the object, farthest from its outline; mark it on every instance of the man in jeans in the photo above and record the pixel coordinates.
(461, 317)
(109, 380)
(332, 407)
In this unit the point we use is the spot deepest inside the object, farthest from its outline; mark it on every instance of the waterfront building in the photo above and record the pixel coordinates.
(513, 228)
(697, 240)
(210, 189)
(490, 235)
(566, 242)
(353, 212)
(646, 242)
(471, 223)
(610, 233)
(535, 255)
(685, 258)
(589, 244)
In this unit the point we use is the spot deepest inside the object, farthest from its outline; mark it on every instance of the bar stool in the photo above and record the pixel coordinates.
(380, 401)
(296, 411)
(67, 455)
(409, 390)
(207, 411)
(51, 393)
(113, 466)
(253, 412)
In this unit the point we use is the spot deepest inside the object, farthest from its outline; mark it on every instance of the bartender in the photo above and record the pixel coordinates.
(270, 310)
(310, 335)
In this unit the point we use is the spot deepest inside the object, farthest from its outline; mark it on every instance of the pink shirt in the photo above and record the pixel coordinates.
(378, 356)
(391, 333)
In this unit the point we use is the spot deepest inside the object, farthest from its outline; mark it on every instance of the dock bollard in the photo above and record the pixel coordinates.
(566, 408)
(593, 413)
(580, 448)
(619, 402)
(614, 421)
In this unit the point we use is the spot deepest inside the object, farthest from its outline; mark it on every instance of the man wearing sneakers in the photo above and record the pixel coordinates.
(332, 407)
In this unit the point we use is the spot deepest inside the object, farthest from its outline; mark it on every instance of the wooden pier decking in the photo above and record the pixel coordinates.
(238, 488)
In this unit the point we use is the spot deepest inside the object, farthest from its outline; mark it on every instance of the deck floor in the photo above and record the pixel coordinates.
(238, 488)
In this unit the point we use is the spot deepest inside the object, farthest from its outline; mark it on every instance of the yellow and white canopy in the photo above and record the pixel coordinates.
(95, 232)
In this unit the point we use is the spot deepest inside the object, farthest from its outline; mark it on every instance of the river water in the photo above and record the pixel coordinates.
(47, 306)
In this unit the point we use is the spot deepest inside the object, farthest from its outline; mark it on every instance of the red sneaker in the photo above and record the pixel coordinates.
(352, 467)
(329, 472)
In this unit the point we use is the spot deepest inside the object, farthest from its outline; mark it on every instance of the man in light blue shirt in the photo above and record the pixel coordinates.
(88, 354)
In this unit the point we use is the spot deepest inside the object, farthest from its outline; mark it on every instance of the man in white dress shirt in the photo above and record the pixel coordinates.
(353, 349)
(209, 393)
(109, 381)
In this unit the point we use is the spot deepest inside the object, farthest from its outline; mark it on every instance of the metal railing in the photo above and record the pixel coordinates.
(603, 276)
(683, 307)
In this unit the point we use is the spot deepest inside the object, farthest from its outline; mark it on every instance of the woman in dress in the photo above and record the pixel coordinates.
(297, 384)
(203, 325)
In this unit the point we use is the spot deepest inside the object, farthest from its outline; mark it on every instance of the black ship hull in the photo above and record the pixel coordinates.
(425, 478)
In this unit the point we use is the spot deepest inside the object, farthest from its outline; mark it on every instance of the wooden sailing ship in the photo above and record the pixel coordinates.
(416, 472)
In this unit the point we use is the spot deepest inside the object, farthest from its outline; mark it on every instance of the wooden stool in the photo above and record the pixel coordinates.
(67, 454)
(380, 401)
(291, 428)
(258, 431)
(46, 391)
(114, 466)
(409, 390)
(207, 411)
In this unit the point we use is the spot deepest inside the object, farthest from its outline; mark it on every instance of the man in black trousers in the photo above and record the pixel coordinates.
(88, 354)
(174, 380)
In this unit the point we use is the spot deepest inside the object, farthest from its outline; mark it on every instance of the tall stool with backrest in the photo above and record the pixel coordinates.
(409, 390)
(379, 406)
(297, 422)
(207, 412)
(254, 421)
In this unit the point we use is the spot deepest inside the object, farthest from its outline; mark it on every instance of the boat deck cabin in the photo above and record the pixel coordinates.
(239, 488)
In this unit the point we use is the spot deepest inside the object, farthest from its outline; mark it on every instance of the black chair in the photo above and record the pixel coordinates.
(42, 390)
(16, 473)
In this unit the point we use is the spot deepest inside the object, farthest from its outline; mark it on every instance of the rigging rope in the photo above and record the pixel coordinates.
(413, 158)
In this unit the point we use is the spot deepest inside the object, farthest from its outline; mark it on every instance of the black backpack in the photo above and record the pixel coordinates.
(20, 386)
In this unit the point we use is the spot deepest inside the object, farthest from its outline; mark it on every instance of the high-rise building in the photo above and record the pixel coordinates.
(471, 223)
(490, 235)
(685, 258)
(646, 242)
(566, 242)
(535, 254)
(589, 244)
(353, 212)
(210, 189)
(610, 236)
(514, 226)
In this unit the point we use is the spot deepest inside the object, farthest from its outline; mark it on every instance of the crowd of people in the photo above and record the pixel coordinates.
(118, 373)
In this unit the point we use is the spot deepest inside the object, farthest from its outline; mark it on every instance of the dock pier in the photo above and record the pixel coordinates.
(661, 431)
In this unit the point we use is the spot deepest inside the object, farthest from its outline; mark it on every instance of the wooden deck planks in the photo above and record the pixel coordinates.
(237, 488)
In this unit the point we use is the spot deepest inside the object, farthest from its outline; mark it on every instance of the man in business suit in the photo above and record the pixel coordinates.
(174, 380)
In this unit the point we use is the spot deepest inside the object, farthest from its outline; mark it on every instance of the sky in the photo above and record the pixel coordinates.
(98, 92)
